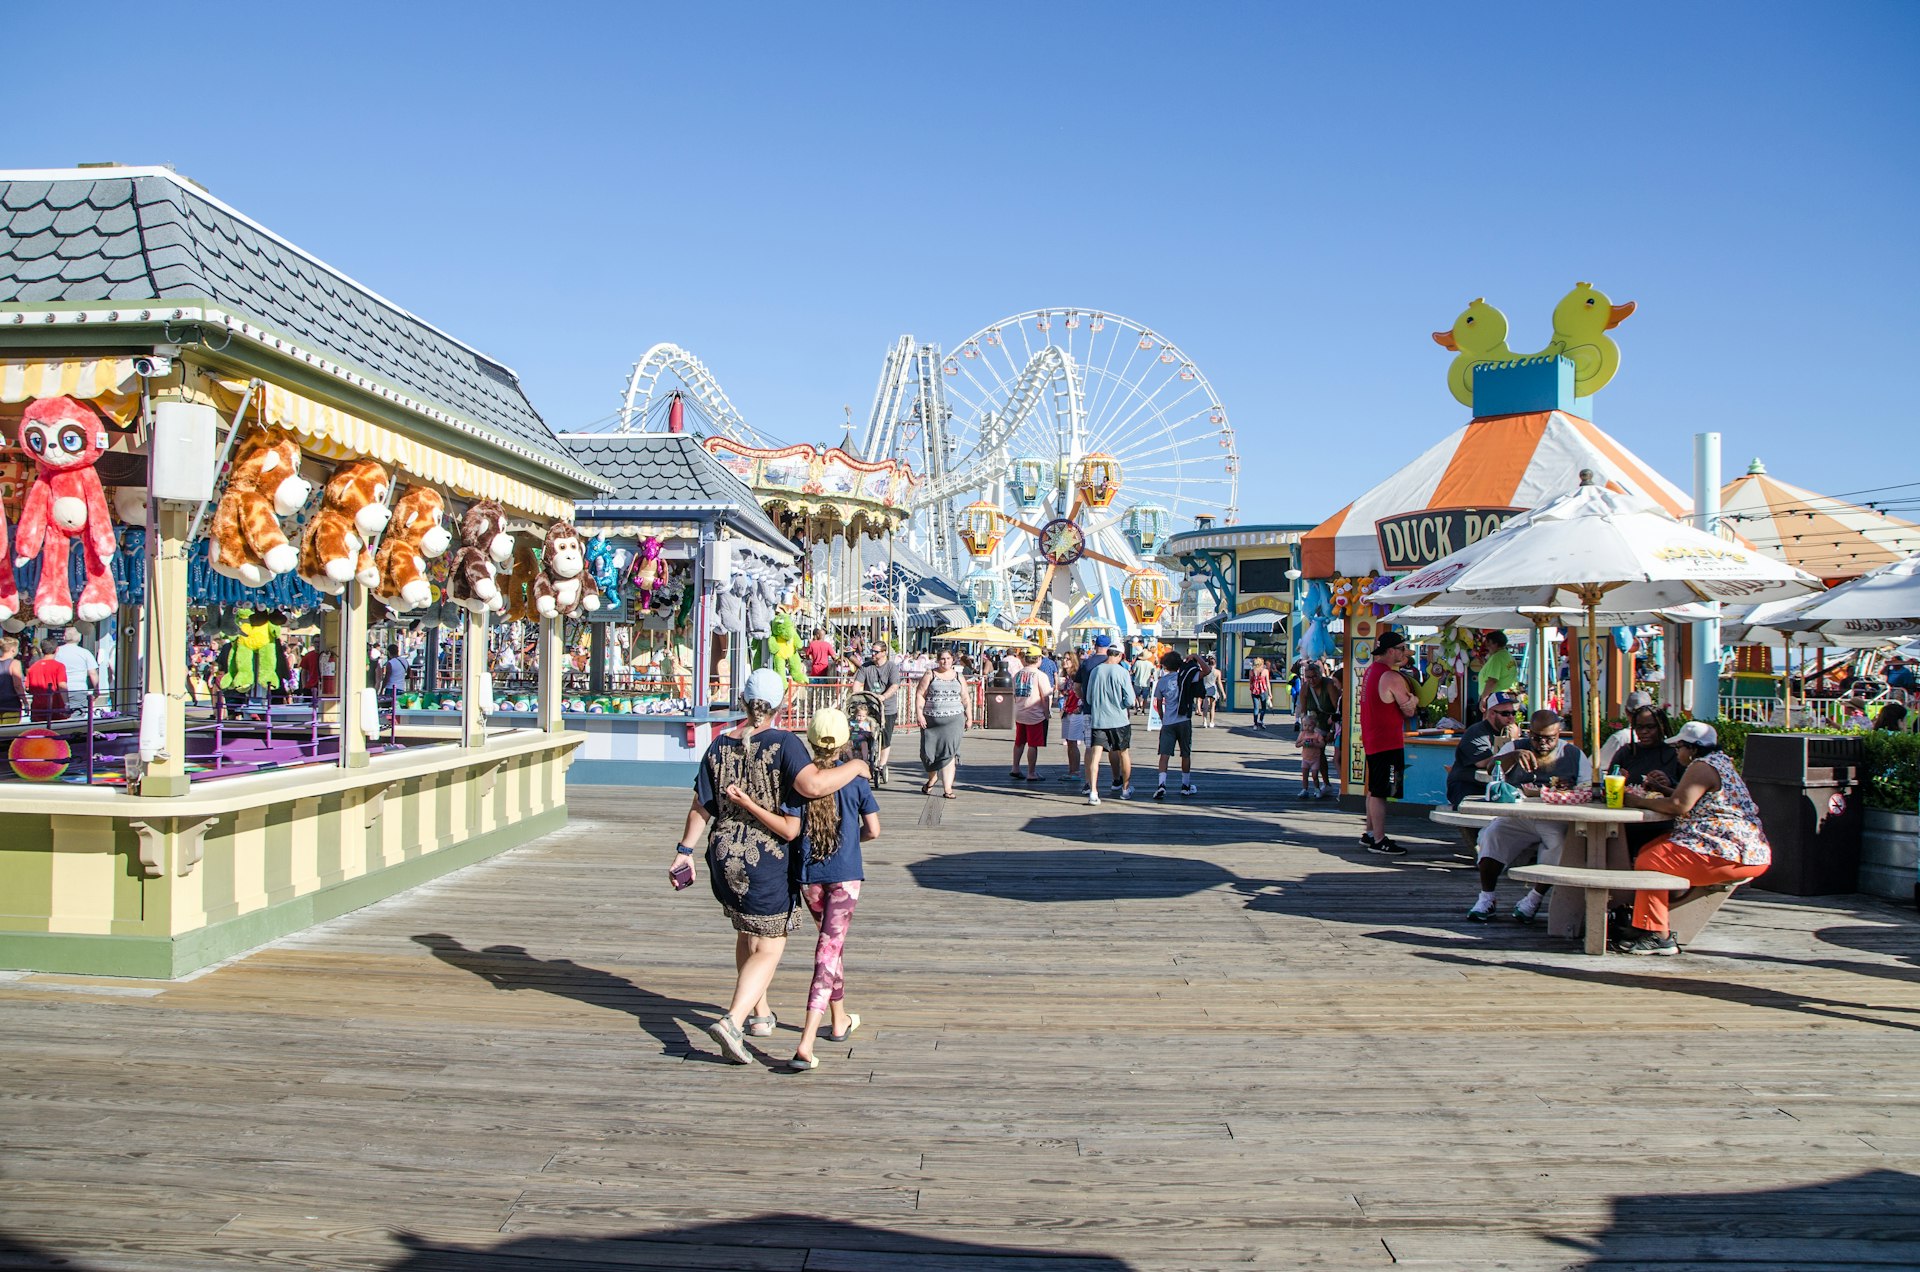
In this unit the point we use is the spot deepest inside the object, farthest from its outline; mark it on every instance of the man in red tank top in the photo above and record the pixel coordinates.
(1386, 704)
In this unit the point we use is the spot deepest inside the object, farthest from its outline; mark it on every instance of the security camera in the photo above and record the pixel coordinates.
(153, 366)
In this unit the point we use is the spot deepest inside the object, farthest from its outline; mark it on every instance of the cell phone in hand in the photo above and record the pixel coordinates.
(682, 875)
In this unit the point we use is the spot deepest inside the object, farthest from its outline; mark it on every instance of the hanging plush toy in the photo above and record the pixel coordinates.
(66, 438)
(474, 580)
(353, 509)
(1344, 591)
(1374, 583)
(781, 650)
(564, 587)
(731, 606)
(606, 575)
(649, 571)
(519, 581)
(263, 485)
(414, 537)
(767, 592)
(253, 657)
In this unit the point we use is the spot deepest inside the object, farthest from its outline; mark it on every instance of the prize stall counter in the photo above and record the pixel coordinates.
(624, 740)
(1429, 753)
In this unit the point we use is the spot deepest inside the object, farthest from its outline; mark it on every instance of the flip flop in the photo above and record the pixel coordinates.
(853, 1023)
(801, 1064)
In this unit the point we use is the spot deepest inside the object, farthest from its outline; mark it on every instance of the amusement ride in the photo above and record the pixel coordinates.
(1052, 454)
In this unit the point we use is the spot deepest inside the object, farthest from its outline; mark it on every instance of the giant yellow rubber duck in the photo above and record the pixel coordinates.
(1479, 334)
(1580, 323)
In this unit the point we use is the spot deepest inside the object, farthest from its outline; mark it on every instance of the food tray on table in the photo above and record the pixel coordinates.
(1578, 795)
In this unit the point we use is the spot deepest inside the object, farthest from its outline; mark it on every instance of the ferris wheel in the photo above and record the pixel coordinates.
(1060, 447)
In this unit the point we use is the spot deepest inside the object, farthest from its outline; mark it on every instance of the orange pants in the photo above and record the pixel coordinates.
(1650, 908)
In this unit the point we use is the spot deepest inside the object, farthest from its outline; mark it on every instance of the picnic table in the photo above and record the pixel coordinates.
(1594, 842)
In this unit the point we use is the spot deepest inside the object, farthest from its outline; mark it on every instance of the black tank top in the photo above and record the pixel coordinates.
(9, 699)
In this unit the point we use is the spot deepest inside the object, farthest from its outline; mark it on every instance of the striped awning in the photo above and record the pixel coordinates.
(1259, 620)
(109, 383)
(332, 433)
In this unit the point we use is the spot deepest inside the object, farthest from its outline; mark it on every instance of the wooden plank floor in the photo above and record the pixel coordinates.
(1205, 1034)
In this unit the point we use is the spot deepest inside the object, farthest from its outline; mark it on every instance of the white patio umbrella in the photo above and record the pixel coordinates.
(1594, 547)
(1885, 600)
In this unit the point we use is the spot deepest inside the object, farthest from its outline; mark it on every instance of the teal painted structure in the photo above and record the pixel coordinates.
(1523, 386)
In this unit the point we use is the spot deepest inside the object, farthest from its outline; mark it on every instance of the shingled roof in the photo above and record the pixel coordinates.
(134, 234)
(655, 472)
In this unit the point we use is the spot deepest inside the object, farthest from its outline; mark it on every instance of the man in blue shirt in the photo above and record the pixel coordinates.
(1900, 675)
(1109, 696)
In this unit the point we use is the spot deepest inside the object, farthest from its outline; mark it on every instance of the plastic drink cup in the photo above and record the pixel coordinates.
(1616, 790)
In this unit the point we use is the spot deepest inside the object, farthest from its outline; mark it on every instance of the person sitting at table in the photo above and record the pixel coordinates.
(1538, 756)
(1647, 760)
(1716, 838)
(1612, 743)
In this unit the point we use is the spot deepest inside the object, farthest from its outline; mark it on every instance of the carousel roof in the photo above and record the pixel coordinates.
(666, 472)
(1827, 537)
(134, 234)
(1502, 461)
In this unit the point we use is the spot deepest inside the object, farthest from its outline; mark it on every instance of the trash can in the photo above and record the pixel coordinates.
(1809, 789)
(999, 711)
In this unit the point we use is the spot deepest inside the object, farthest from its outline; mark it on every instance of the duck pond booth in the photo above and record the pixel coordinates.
(1530, 437)
(210, 430)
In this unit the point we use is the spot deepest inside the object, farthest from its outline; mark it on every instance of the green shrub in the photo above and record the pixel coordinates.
(1892, 760)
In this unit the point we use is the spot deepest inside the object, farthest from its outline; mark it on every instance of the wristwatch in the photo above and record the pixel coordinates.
(682, 850)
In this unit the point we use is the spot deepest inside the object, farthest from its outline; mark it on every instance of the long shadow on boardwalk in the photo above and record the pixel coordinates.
(510, 967)
(1720, 990)
(767, 1241)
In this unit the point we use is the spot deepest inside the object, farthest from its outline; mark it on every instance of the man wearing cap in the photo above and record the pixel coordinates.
(1539, 756)
(1494, 729)
(1109, 698)
(1386, 704)
(1900, 675)
(882, 678)
(1032, 708)
(1102, 646)
(1620, 737)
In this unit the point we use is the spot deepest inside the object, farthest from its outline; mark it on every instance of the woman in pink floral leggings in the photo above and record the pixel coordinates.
(830, 876)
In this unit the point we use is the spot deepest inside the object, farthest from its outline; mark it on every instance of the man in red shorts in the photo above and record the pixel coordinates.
(1386, 704)
(1032, 708)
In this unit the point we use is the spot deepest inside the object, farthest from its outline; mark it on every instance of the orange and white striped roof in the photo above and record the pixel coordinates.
(1503, 461)
(1829, 538)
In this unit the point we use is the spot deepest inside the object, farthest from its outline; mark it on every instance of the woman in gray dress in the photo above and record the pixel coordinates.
(946, 712)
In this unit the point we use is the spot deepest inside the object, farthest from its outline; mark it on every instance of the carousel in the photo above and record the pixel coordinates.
(231, 491)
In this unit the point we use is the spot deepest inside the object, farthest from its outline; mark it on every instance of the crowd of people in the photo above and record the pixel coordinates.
(778, 822)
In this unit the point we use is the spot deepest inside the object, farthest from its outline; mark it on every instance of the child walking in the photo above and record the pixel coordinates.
(831, 872)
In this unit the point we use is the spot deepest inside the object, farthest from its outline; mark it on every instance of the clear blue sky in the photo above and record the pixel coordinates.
(1298, 197)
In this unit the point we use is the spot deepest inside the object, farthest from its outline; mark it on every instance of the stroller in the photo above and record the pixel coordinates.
(863, 715)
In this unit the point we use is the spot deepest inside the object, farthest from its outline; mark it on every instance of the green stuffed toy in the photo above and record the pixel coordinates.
(253, 657)
(780, 649)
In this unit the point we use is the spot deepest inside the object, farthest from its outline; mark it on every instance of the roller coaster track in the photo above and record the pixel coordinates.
(700, 386)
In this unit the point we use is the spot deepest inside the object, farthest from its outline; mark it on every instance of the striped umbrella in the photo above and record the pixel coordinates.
(1827, 537)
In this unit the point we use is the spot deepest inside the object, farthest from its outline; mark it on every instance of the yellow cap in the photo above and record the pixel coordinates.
(829, 730)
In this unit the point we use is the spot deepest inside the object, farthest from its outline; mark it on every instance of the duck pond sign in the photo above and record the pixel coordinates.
(1412, 541)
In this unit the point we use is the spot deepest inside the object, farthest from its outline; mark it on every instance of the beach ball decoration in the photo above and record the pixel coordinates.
(39, 755)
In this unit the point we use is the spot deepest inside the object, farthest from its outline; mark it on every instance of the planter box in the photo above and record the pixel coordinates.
(1889, 852)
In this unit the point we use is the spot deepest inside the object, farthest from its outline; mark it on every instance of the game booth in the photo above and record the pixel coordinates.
(682, 558)
(211, 432)
(1530, 437)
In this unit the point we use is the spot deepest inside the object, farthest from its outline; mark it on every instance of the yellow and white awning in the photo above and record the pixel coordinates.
(109, 383)
(332, 433)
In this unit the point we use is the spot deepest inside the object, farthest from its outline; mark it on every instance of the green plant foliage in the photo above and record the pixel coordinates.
(1892, 760)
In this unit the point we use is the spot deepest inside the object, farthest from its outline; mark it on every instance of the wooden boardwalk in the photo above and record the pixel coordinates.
(1206, 1034)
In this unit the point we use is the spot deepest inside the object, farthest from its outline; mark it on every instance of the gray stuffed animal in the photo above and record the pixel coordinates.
(765, 599)
(731, 606)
